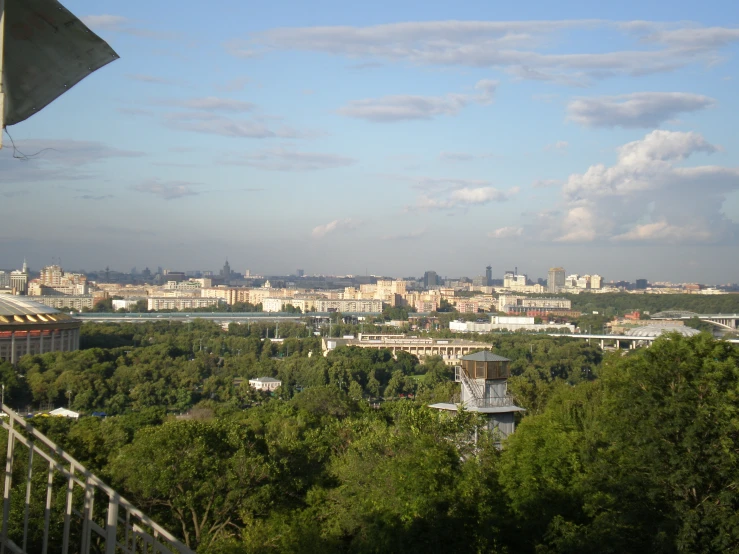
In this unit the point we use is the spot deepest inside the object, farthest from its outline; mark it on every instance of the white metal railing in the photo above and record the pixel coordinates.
(129, 534)
(472, 387)
(479, 400)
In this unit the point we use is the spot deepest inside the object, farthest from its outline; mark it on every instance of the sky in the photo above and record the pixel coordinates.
(390, 138)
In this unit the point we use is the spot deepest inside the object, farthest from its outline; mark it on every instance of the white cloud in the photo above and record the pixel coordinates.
(403, 107)
(321, 231)
(559, 145)
(441, 184)
(648, 196)
(106, 21)
(215, 104)
(640, 109)
(281, 159)
(121, 24)
(580, 225)
(506, 233)
(645, 164)
(464, 198)
(663, 231)
(209, 123)
(528, 49)
(240, 49)
(233, 85)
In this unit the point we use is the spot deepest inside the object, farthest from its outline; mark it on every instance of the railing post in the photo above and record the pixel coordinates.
(87, 514)
(68, 509)
(8, 483)
(111, 526)
(29, 475)
(47, 511)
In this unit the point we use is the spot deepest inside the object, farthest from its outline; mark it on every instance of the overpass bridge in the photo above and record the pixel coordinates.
(222, 318)
(616, 340)
(724, 321)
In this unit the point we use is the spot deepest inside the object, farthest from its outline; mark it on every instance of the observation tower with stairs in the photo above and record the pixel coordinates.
(484, 389)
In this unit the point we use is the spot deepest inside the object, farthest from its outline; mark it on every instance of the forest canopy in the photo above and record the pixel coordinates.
(619, 452)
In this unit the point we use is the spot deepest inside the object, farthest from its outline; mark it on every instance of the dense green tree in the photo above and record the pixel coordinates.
(202, 476)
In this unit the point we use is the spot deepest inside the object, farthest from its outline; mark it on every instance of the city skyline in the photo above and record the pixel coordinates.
(390, 139)
(489, 275)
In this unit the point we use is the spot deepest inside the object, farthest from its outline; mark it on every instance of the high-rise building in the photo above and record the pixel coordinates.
(596, 282)
(226, 272)
(583, 282)
(641, 284)
(19, 280)
(430, 279)
(556, 279)
(299, 272)
(488, 276)
(480, 281)
(513, 279)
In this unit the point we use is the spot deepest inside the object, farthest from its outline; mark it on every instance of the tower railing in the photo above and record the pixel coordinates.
(479, 400)
(116, 526)
(472, 387)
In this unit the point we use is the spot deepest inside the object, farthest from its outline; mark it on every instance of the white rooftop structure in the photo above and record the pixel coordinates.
(64, 412)
(657, 330)
(265, 383)
(11, 305)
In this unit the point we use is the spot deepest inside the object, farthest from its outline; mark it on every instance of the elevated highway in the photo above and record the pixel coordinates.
(616, 340)
(222, 318)
(724, 321)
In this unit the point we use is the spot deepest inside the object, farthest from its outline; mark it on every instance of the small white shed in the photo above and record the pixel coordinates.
(265, 383)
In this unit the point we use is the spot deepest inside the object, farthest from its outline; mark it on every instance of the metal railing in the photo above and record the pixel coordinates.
(472, 387)
(118, 528)
(479, 400)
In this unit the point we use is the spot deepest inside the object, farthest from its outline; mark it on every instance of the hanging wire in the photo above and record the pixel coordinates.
(18, 155)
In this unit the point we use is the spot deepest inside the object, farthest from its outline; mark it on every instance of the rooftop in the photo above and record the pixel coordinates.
(485, 356)
(11, 305)
(265, 380)
(657, 330)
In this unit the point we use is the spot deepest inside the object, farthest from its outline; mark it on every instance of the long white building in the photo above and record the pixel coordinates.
(181, 303)
(508, 323)
(352, 306)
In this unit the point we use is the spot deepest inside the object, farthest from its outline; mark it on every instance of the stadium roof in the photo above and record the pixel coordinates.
(17, 310)
(20, 305)
(657, 330)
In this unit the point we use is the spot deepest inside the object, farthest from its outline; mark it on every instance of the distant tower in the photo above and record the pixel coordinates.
(484, 381)
(430, 279)
(226, 272)
(19, 280)
(489, 276)
(555, 279)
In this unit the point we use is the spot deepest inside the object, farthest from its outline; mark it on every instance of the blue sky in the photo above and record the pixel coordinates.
(390, 138)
